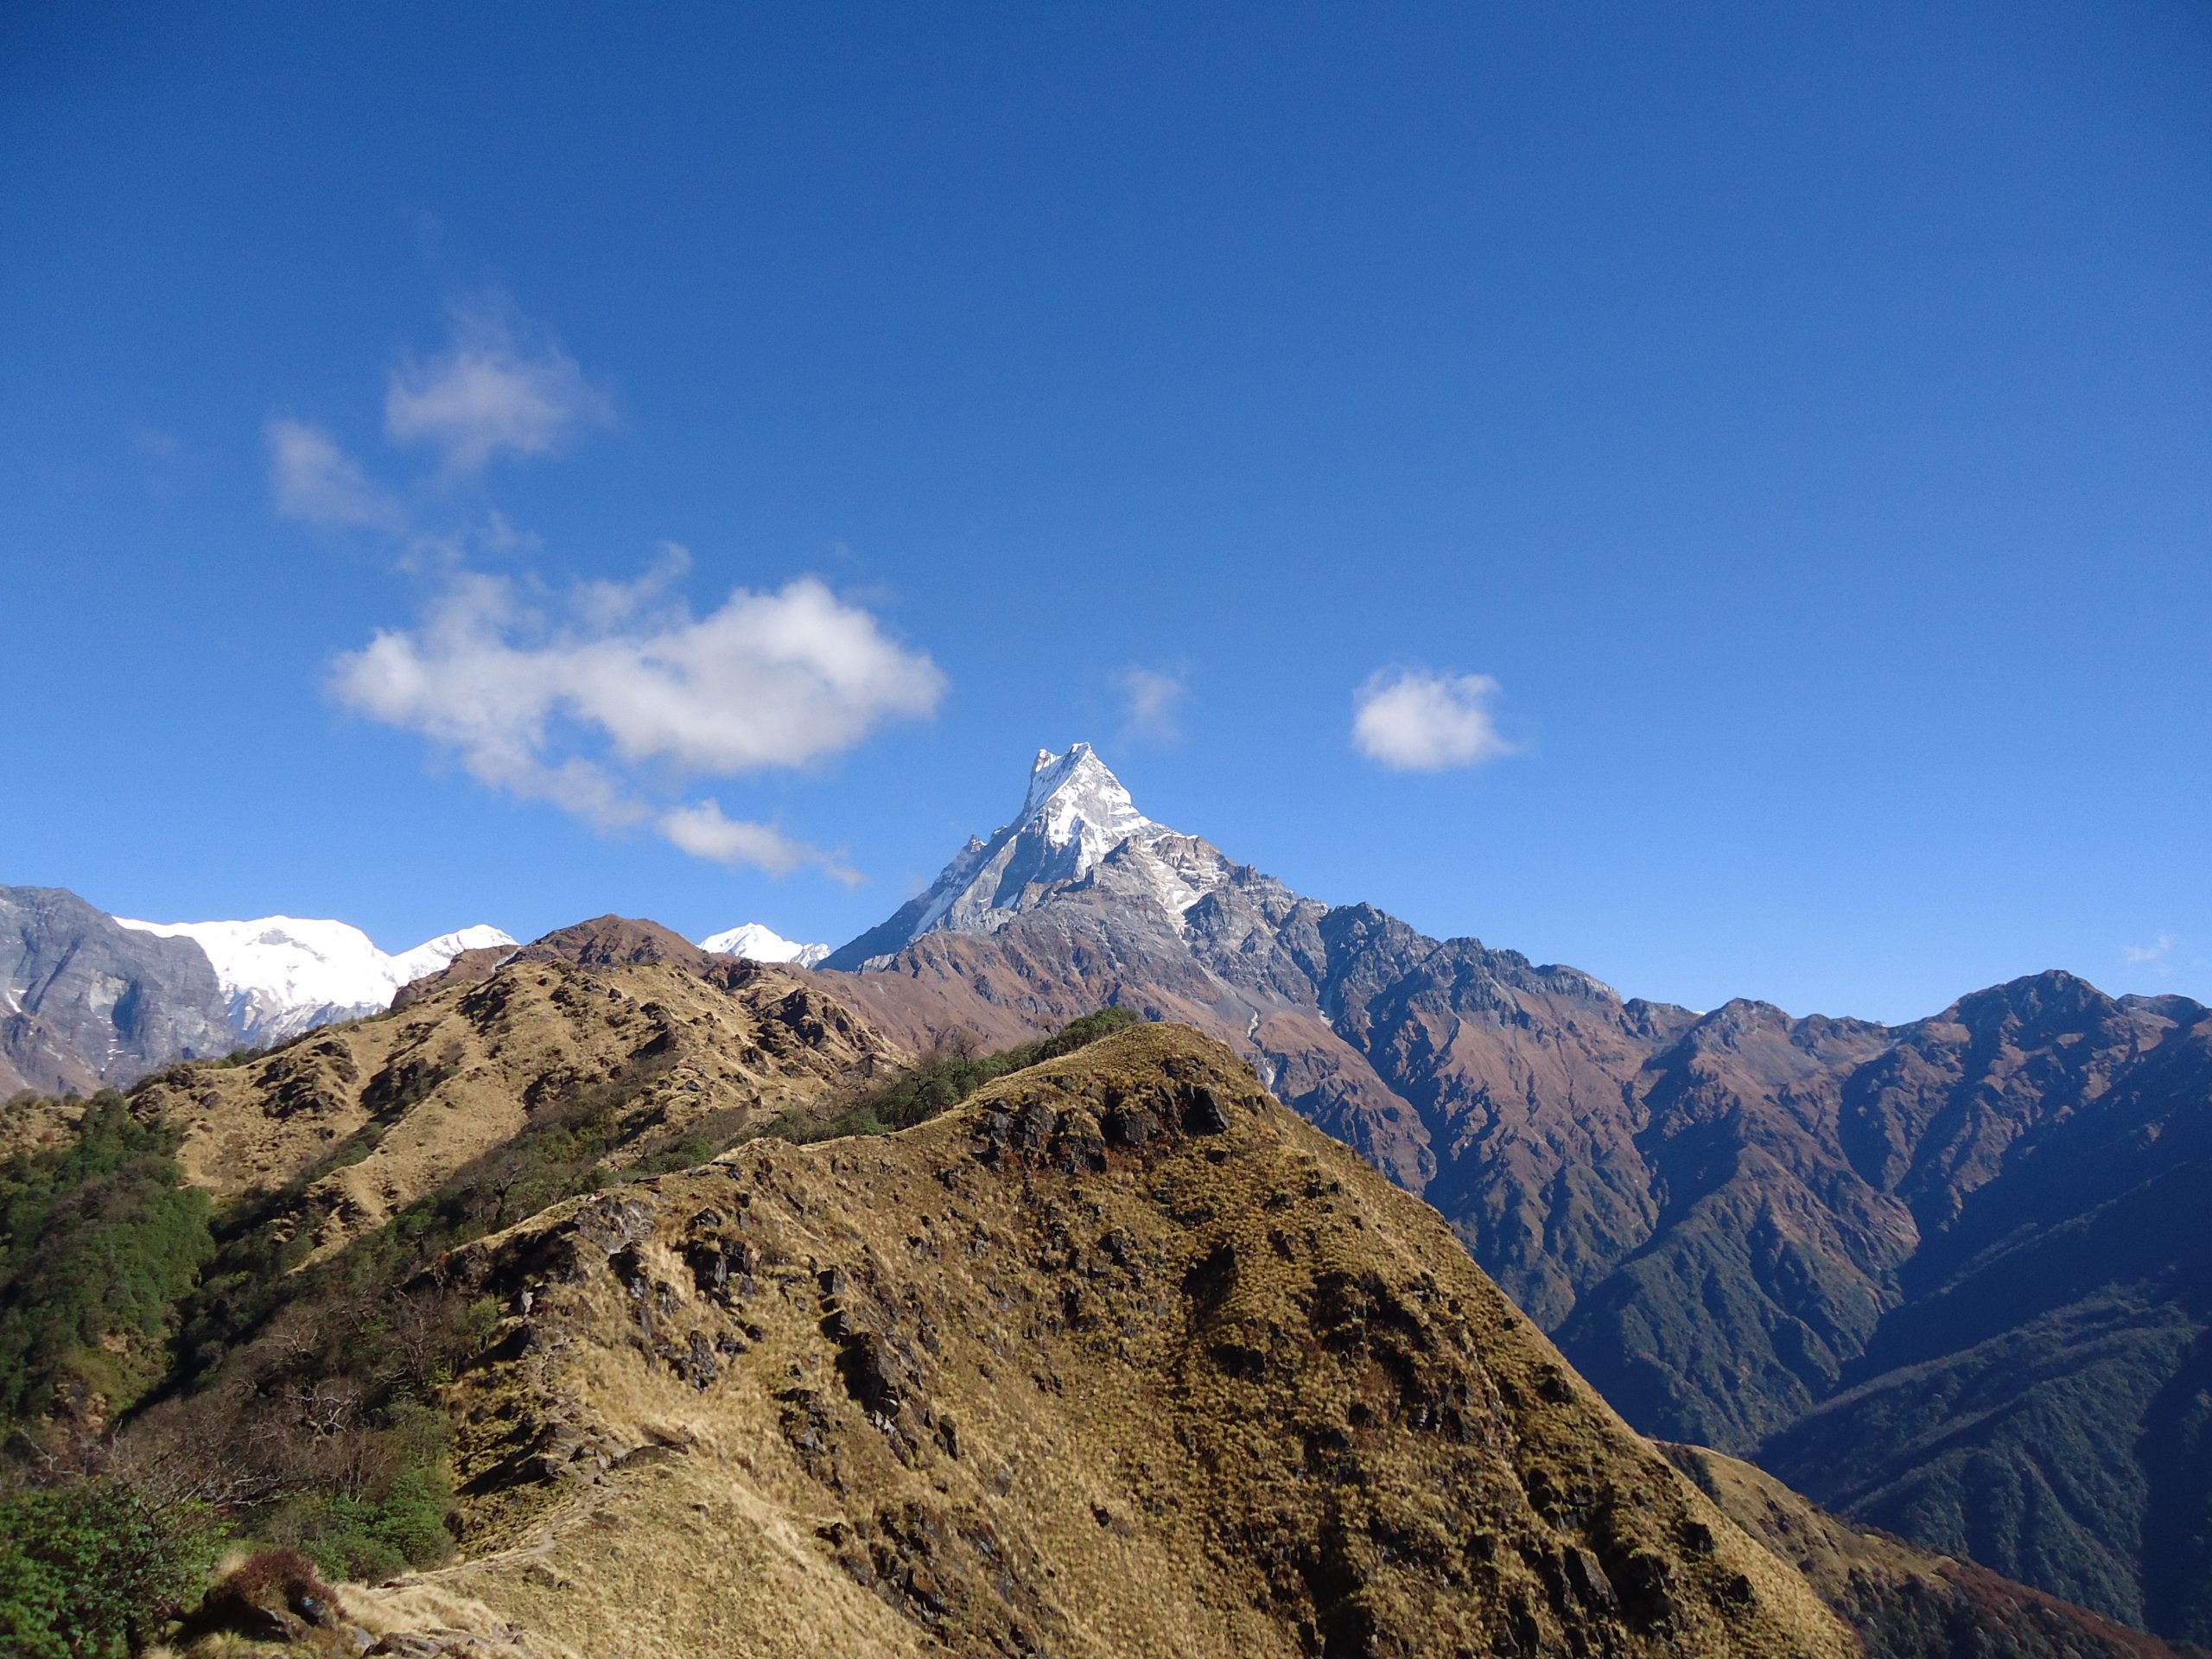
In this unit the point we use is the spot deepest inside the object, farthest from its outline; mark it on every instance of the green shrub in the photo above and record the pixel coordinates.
(94, 1570)
(947, 1076)
(371, 1538)
(100, 1240)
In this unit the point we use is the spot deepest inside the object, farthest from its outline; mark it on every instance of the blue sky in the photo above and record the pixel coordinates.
(1754, 459)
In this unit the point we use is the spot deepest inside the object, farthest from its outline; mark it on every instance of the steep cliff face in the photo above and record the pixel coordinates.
(86, 1003)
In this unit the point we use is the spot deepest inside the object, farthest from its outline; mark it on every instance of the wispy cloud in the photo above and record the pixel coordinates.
(1414, 720)
(488, 393)
(2157, 951)
(605, 698)
(153, 443)
(587, 702)
(312, 480)
(1153, 702)
(701, 830)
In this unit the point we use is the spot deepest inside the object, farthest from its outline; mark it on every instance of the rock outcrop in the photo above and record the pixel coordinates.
(86, 1003)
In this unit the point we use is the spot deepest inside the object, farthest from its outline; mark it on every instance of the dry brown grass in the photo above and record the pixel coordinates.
(388, 1109)
(1024, 1380)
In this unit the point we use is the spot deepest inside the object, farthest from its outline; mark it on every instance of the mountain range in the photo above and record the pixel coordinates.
(1114, 1356)
(1945, 1278)
(90, 1003)
(283, 974)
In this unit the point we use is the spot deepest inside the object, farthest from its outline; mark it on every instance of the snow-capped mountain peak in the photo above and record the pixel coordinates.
(430, 956)
(283, 974)
(1074, 801)
(1078, 823)
(761, 943)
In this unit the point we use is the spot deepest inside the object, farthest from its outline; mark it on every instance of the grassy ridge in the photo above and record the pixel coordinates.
(286, 1402)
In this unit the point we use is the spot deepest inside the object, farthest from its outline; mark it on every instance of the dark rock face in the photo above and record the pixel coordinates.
(86, 1003)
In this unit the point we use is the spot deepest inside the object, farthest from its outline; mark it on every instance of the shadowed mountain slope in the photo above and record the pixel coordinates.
(86, 1003)
(1905, 1602)
(2042, 1398)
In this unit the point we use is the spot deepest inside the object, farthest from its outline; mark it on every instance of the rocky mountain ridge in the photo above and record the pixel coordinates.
(1118, 1356)
(86, 1003)
(1077, 825)
(1729, 1220)
(349, 1125)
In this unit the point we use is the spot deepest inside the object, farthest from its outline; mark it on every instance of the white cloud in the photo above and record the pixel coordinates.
(1153, 698)
(2157, 951)
(604, 700)
(312, 479)
(485, 395)
(1413, 720)
(701, 830)
(586, 704)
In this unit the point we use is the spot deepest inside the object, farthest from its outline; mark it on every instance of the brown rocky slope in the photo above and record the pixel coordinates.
(1945, 1275)
(1119, 1357)
(351, 1123)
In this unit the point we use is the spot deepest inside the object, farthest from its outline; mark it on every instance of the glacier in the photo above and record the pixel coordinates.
(762, 944)
(285, 975)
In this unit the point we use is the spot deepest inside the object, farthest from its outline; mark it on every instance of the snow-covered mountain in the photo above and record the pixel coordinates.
(762, 944)
(283, 974)
(1077, 823)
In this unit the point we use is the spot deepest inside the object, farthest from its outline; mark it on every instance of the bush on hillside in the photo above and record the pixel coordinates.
(99, 1239)
(95, 1570)
(951, 1071)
